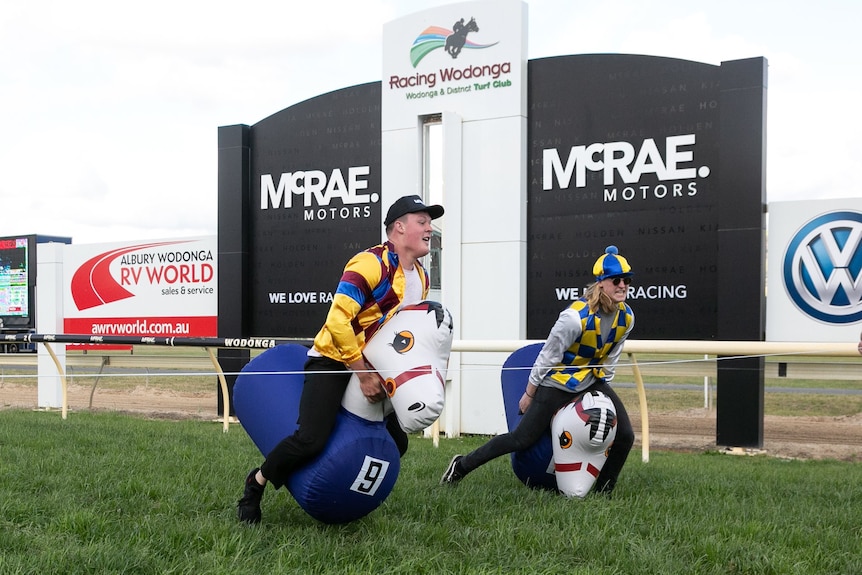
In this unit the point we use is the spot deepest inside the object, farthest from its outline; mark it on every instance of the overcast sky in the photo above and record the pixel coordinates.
(111, 109)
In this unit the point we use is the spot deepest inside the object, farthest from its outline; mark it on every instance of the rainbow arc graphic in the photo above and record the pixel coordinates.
(433, 38)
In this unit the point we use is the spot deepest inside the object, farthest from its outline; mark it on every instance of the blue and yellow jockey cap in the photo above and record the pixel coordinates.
(611, 265)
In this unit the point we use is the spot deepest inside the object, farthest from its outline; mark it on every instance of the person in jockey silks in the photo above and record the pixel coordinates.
(374, 283)
(580, 353)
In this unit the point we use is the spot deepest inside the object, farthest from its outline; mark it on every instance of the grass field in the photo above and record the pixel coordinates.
(108, 493)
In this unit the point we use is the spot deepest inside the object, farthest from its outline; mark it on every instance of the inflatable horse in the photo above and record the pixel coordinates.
(571, 453)
(357, 469)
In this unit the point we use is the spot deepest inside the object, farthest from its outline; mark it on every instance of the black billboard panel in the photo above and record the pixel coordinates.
(315, 193)
(624, 151)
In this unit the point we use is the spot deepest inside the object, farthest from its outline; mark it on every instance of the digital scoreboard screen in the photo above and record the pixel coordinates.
(14, 277)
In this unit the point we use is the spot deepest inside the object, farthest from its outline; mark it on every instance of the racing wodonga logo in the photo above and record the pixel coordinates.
(452, 41)
(823, 268)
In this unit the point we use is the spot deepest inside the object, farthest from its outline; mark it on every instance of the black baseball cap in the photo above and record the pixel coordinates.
(409, 205)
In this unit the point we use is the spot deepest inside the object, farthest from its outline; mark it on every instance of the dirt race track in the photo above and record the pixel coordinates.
(691, 430)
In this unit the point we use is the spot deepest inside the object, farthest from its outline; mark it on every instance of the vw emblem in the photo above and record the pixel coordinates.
(823, 268)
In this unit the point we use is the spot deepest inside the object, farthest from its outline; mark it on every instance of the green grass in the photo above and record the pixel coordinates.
(107, 493)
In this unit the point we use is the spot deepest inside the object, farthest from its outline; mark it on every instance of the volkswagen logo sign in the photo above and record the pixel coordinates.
(823, 268)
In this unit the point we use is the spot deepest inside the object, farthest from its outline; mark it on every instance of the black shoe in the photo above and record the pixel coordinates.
(248, 508)
(452, 476)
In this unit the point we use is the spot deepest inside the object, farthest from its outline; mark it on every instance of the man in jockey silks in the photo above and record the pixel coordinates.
(579, 354)
(374, 283)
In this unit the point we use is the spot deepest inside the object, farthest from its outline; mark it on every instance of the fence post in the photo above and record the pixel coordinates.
(643, 407)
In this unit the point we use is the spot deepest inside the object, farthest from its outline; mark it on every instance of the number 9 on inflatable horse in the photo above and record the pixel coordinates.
(357, 469)
(571, 453)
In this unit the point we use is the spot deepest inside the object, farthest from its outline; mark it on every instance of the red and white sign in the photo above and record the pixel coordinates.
(156, 288)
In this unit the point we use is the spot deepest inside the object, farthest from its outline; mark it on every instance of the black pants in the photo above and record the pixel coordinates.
(536, 420)
(325, 383)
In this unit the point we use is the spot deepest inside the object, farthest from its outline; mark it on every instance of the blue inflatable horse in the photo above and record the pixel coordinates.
(571, 453)
(359, 465)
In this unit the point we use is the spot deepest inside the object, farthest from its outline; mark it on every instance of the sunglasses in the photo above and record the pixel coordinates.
(626, 281)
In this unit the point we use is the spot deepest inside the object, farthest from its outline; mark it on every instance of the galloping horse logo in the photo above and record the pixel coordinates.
(452, 41)
(455, 42)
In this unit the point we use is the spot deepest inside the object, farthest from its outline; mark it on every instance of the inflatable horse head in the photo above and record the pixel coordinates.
(411, 353)
(582, 431)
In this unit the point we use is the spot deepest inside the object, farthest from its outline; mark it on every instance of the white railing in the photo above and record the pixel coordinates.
(718, 348)
(700, 348)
